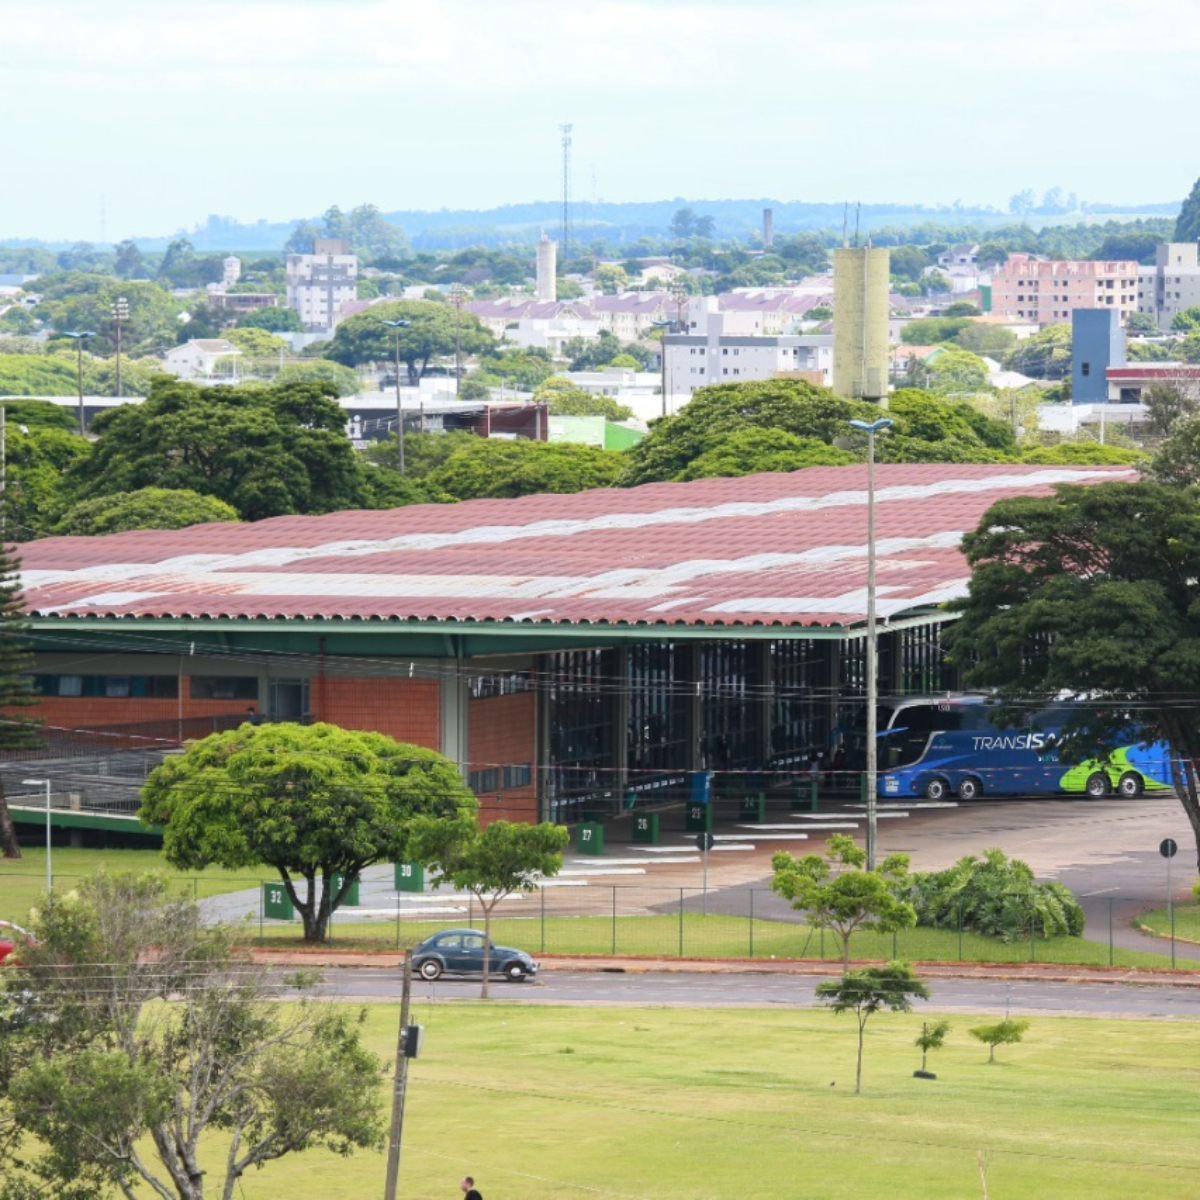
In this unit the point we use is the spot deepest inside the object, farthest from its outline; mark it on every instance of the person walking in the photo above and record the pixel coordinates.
(469, 1190)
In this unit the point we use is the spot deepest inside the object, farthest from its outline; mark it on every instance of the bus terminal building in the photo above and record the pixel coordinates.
(568, 652)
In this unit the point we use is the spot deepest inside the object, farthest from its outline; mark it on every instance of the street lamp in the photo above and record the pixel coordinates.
(79, 336)
(120, 312)
(49, 872)
(871, 428)
(662, 359)
(397, 326)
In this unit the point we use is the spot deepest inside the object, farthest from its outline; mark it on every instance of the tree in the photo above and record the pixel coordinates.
(16, 680)
(491, 863)
(955, 371)
(503, 469)
(40, 485)
(991, 254)
(931, 1037)
(683, 223)
(868, 990)
(129, 262)
(147, 508)
(1004, 1033)
(850, 900)
(994, 341)
(750, 451)
(568, 399)
(611, 278)
(1141, 322)
(960, 308)
(1092, 591)
(274, 320)
(1045, 355)
(1187, 320)
(1177, 463)
(1187, 224)
(930, 331)
(1082, 454)
(300, 241)
(255, 342)
(364, 338)
(1169, 401)
(310, 801)
(266, 451)
(161, 1059)
(343, 380)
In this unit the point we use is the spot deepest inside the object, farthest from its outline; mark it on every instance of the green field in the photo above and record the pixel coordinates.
(1187, 922)
(717, 936)
(688, 1104)
(676, 934)
(23, 881)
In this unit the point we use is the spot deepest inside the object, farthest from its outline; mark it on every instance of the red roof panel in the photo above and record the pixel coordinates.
(763, 549)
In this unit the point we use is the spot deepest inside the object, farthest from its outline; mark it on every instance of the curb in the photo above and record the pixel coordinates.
(1043, 972)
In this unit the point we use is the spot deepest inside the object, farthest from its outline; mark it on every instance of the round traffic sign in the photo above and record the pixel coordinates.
(1167, 848)
(705, 841)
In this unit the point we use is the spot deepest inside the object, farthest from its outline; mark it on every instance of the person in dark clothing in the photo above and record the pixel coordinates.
(469, 1190)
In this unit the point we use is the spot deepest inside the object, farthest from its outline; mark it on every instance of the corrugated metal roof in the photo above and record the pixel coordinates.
(786, 549)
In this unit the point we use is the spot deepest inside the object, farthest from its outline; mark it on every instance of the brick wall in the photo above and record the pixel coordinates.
(502, 734)
(409, 710)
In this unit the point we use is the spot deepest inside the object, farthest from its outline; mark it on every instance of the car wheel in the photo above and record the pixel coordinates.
(937, 789)
(430, 969)
(970, 789)
(514, 973)
(1097, 785)
(1131, 785)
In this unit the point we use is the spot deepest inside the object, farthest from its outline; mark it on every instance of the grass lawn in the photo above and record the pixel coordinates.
(688, 1104)
(23, 881)
(1187, 921)
(718, 936)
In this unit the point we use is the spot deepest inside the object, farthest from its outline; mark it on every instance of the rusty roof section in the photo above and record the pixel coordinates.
(772, 549)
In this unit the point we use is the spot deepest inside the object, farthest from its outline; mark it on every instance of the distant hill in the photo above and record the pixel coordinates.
(625, 223)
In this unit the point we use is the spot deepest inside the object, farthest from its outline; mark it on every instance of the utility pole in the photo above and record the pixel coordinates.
(399, 1085)
(397, 326)
(458, 297)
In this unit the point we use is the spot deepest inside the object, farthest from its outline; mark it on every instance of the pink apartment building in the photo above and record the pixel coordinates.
(1046, 292)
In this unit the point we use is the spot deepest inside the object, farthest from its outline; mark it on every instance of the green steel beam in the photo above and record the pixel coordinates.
(69, 819)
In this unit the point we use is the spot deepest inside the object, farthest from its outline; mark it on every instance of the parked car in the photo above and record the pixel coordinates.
(460, 952)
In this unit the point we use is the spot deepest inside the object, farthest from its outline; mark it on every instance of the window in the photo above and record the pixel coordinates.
(483, 687)
(224, 687)
(109, 687)
(1085, 369)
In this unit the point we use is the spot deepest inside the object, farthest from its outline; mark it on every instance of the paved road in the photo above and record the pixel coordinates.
(724, 990)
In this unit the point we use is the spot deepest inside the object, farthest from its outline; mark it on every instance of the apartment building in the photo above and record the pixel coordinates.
(1172, 284)
(1048, 291)
(318, 284)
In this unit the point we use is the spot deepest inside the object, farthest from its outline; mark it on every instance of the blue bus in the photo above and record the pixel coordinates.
(934, 748)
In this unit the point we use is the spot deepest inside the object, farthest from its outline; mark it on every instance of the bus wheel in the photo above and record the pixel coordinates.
(1097, 785)
(1130, 785)
(970, 789)
(937, 789)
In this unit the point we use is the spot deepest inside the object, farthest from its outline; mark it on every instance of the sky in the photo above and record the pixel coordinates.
(144, 116)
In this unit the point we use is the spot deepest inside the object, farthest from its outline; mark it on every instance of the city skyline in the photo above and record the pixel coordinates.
(261, 109)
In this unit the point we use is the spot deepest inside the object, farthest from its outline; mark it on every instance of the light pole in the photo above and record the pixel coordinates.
(871, 428)
(458, 297)
(662, 359)
(49, 871)
(397, 326)
(79, 336)
(120, 313)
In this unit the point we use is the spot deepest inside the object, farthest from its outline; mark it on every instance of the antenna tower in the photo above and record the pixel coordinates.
(566, 224)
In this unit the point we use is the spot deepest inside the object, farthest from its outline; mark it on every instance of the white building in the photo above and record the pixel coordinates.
(200, 358)
(547, 270)
(319, 284)
(694, 361)
(1172, 284)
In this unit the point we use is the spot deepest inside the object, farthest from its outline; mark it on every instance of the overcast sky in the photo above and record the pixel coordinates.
(174, 109)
